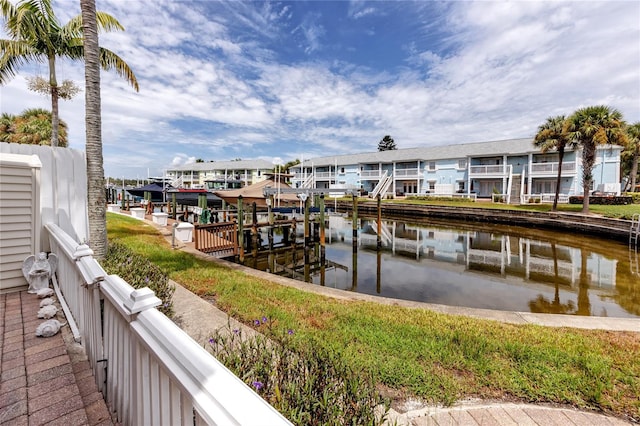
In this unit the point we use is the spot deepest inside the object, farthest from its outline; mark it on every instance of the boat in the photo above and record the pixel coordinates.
(191, 196)
(155, 188)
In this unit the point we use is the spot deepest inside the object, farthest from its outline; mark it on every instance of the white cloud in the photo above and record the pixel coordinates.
(216, 81)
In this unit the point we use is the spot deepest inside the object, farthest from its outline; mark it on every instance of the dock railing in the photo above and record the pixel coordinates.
(149, 371)
(217, 238)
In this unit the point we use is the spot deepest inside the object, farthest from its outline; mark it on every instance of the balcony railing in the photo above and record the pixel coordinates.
(414, 173)
(498, 169)
(155, 373)
(552, 168)
(372, 174)
(324, 175)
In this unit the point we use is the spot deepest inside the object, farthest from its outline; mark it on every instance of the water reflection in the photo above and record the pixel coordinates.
(486, 266)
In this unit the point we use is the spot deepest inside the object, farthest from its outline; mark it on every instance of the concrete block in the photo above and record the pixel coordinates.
(160, 218)
(184, 232)
(137, 212)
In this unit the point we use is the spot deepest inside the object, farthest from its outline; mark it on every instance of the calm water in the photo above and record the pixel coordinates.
(485, 266)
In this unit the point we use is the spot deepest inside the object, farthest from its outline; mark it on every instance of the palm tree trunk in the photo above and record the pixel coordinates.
(97, 203)
(560, 158)
(634, 169)
(53, 83)
(588, 158)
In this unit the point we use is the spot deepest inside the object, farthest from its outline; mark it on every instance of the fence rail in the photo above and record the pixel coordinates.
(155, 373)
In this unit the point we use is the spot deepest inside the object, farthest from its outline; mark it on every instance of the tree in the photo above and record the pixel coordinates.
(32, 127)
(590, 127)
(633, 150)
(387, 144)
(37, 36)
(93, 123)
(552, 136)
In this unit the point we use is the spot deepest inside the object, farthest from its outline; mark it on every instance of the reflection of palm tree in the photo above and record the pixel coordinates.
(544, 306)
(584, 304)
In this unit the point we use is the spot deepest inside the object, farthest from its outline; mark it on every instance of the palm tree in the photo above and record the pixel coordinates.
(552, 136)
(7, 126)
(633, 148)
(93, 123)
(33, 127)
(590, 127)
(37, 36)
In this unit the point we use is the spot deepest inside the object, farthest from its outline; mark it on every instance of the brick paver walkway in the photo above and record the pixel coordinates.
(43, 380)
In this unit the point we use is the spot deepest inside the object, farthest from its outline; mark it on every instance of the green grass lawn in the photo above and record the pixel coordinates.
(620, 212)
(441, 358)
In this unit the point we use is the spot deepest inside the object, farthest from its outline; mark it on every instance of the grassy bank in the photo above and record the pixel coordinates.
(618, 212)
(441, 358)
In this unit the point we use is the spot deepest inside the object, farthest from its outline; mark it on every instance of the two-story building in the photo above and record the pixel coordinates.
(196, 175)
(515, 170)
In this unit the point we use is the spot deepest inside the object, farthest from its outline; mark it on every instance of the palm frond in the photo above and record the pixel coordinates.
(107, 23)
(14, 55)
(109, 60)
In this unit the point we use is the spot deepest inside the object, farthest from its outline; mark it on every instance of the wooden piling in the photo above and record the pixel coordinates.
(307, 242)
(322, 241)
(354, 243)
(379, 231)
(240, 230)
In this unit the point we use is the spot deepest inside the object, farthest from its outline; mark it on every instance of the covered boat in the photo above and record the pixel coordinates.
(156, 189)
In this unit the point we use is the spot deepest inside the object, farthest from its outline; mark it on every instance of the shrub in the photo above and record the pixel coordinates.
(439, 198)
(635, 196)
(139, 272)
(603, 200)
(309, 384)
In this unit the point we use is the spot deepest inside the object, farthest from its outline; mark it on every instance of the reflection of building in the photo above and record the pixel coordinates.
(514, 168)
(535, 260)
(487, 252)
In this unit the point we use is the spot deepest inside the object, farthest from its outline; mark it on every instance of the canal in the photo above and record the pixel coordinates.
(480, 266)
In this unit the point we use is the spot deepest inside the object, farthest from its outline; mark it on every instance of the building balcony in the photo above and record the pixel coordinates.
(370, 174)
(407, 173)
(551, 169)
(325, 175)
(497, 170)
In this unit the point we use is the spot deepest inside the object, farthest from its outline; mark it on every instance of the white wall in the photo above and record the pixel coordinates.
(63, 188)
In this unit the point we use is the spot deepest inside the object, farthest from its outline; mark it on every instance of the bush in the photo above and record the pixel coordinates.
(308, 384)
(439, 198)
(635, 196)
(139, 272)
(603, 200)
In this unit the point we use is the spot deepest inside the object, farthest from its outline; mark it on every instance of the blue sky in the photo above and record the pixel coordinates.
(286, 80)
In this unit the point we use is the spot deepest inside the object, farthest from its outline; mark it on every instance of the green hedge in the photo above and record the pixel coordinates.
(634, 195)
(139, 272)
(607, 201)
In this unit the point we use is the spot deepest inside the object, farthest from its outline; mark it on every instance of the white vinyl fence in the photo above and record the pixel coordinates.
(149, 371)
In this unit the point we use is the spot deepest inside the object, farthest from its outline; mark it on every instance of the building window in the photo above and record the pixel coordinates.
(341, 169)
(432, 185)
(461, 186)
(462, 164)
(431, 166)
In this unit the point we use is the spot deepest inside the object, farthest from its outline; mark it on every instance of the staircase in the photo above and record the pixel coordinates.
(308, 182)
(177, 182)
(383, 185)
(515, 189)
